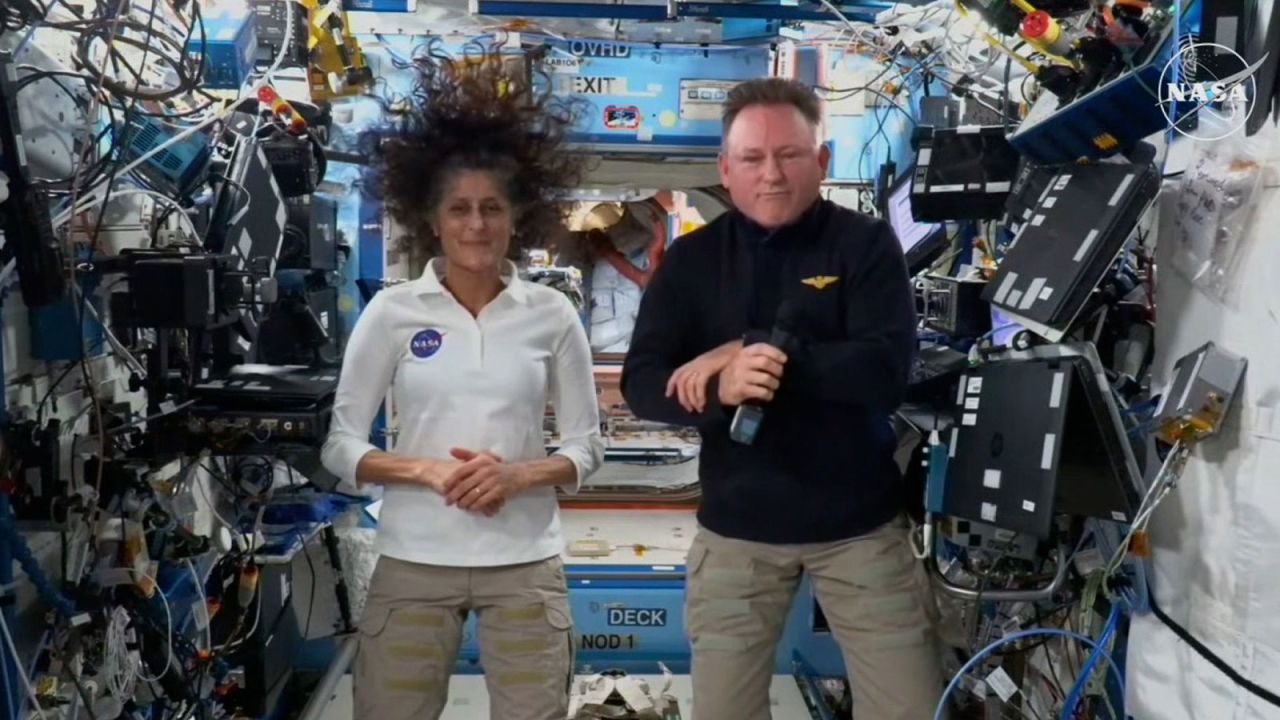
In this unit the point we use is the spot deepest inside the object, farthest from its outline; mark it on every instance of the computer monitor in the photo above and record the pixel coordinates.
(962, 173)
(248, 223)
(1078, 226)
(249, 215)
(1038, 436)
(921, 242)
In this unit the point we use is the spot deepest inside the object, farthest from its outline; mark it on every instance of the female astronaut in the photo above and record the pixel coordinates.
(471, 355)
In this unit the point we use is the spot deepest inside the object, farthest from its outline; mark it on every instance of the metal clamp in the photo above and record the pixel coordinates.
(969, 594)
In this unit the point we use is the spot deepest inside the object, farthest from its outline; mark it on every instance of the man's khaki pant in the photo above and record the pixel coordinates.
(412, 629)
(872, 591)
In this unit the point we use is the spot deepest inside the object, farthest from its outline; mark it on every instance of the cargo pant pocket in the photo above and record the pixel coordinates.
(404, 661)
(733, 603)
(527, 652)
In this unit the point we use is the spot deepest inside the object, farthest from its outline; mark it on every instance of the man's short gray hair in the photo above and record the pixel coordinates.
(770, 91)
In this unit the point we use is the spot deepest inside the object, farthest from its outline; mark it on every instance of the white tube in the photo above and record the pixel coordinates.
(96, 196)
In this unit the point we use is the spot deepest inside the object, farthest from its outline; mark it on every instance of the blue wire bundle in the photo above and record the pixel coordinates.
(48, 592)
(1038, 632)
(1073, 698)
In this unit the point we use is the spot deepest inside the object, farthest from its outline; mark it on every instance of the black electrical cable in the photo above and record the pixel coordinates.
(199, 110)
(197, 20)
(49, 393)
(1004, 97)
(1025, 78)
(973, 96)
(311, 600)
(1203, 651)
(1053, 670)
(37, 75)
(862, 156)
(18, 14)
(1024, 704)
(120, 132)
(166, 49)
(99, 167)
(119, 430)
(120, 89)
(870, 84)
(846, 92)
(322, 162)
(890, 99)
(85, 371)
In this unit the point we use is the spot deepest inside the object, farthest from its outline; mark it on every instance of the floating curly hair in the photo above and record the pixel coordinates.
(478, 111)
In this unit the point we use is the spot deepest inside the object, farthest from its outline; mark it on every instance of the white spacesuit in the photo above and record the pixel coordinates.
(615, 298)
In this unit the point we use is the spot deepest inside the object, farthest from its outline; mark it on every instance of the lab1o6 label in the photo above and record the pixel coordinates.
(426, 343)
(607, 641)
(637, 617)
(562, 64)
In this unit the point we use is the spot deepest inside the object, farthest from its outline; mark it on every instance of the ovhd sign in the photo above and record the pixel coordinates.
(599, 48)
(1231, 100)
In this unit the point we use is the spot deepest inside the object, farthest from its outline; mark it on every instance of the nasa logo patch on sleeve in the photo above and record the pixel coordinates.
(426, 343)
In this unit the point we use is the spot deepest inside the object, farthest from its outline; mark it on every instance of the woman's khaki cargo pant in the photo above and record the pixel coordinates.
(412, 629)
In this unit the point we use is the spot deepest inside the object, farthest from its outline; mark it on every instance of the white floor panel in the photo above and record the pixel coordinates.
(468, 699)
(340, 706)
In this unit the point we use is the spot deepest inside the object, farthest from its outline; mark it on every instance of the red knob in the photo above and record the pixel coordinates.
(1036, 24)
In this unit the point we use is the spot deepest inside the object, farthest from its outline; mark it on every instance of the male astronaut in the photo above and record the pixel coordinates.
(817, 489)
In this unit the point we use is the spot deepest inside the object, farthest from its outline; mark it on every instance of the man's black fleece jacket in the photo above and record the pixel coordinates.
(821, 468)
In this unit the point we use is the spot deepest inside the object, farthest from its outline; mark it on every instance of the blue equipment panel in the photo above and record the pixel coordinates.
(230, 44)
(863, 138)
(380, 5)
(647, 99)
(631, 618)
(64, 331)
(743, 30)
(178, 167)
(936, 479)
(635, 98)
(1113, 117)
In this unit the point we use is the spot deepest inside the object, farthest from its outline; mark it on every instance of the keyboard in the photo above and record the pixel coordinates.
(933, 370)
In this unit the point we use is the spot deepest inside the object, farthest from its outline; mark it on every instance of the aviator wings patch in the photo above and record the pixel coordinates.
(820, 282)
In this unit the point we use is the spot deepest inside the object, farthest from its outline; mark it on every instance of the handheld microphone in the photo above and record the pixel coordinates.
(749, 415)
